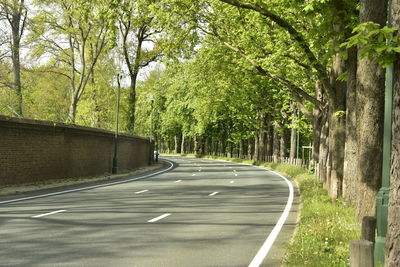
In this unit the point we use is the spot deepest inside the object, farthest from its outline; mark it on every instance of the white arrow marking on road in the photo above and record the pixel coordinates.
(143, 191)
(213, 194)
(178, 181)
(50, 213)
(159, 218)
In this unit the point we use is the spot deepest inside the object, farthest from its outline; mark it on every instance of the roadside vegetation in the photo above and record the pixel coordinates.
(325, 228)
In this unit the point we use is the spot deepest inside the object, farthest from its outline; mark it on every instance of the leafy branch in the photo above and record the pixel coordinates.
(375, 42)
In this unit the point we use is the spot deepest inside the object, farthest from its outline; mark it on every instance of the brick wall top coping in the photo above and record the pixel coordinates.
(13, 122)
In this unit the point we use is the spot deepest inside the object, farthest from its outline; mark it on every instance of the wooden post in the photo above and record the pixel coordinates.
(368, 228)
(361, 253)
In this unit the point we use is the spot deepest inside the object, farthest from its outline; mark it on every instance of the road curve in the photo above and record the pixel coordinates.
(199, 213)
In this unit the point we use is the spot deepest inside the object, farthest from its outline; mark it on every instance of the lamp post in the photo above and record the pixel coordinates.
(382, 198)
(115, 158)
(151, 158)
(157, 133)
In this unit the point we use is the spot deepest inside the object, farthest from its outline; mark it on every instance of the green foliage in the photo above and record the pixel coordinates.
(375, 42)
(340, 113)
(325, 229)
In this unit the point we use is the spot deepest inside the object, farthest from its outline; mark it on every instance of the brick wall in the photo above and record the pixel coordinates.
(39, 150)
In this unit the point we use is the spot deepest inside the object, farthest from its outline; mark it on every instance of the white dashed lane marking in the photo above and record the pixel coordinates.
(159, 218)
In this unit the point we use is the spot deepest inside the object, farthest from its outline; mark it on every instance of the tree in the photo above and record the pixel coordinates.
(75, 34)
(393, 230)
(138, 29)
(15, 14)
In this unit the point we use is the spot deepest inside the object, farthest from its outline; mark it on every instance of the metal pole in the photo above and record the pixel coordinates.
(151, 130)
(298, 144)
(382, 198)
(157, 133)
(115, 158)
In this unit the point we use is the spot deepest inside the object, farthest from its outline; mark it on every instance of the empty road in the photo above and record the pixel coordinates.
(198, 212)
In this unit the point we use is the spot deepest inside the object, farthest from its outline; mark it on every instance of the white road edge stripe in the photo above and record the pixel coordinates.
(213, 194)
(46, 214)
(89, 187)
(139, 192)
(159, 218)
(262, 253)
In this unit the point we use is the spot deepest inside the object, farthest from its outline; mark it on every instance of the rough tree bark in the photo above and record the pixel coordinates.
(183, 144)
(393, 232)
(276, 143)
(350, 151)
(175, 144)
(293, 134)
(256, 146)
(250, 149)
(16, 14)
(241, 149)
(370, 114)
(269, 140)
(323, 149)
(317, 123)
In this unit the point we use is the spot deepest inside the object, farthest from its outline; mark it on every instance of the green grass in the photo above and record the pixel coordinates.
(325, 228)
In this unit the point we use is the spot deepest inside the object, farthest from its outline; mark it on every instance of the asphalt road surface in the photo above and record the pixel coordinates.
(195, 212)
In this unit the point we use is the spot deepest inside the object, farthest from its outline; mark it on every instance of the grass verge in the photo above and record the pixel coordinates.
(325, 228)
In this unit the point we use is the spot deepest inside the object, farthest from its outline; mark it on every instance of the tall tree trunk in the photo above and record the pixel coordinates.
(323, 149)
(183, 144)
(72, 108)
(370, 106)
(17, 29)
(241, 149)
(283, 143)
(175, 144)
(207, 145)
(250, 149)
(337, 124)
(196, 146)
(223, 146)
(276, 143)
(317, 124)
(293, 133)
(256, 146)
(269, 140)
(393, 230)
(350, 152)
(261, 136)
(337, 103)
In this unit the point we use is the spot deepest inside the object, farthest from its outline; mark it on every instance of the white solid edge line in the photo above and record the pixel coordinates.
(89, 187)
(213, 194)
(263, 251)
(46, 214)
(159, 218)
(143, 191)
